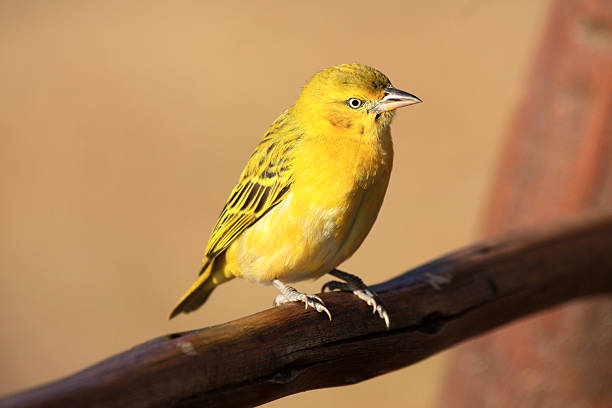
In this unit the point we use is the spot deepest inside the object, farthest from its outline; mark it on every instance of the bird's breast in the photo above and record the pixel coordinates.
(336, 168)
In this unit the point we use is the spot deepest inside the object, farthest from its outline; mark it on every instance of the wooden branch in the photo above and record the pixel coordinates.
(286, 350)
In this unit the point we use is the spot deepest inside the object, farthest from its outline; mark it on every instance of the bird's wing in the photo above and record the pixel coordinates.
(263, 184)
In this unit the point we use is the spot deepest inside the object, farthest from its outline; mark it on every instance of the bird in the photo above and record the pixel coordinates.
(310, 192)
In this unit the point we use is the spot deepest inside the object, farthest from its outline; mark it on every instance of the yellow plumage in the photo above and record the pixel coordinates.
(311, 190)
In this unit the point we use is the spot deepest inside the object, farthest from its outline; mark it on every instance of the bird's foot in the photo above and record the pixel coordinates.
(289, 294)
(355, 284)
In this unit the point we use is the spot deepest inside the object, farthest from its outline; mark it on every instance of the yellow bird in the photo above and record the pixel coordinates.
(310, 192)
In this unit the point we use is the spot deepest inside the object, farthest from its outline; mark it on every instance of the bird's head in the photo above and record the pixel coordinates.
(350, 99)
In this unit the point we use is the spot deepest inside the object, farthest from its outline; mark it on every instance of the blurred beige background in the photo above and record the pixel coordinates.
(125, 124)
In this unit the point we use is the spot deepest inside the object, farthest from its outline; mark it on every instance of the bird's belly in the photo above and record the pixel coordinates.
(292, 242)
(303, 238)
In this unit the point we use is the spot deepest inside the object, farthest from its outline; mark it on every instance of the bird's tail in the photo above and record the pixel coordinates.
(197, 294)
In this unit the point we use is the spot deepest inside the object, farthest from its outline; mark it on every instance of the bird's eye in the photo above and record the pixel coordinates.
(354, 103)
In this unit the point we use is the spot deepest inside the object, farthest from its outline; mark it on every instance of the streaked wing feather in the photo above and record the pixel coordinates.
(264, 183)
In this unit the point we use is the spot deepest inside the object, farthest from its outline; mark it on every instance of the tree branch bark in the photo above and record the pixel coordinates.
(286, 350)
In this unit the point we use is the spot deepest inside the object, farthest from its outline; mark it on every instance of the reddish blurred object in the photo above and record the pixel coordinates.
(557, 162)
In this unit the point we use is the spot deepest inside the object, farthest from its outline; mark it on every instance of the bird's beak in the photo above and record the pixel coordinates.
(393, 99)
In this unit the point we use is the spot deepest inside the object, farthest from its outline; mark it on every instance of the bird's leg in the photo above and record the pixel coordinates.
(354, 284)
(289, 294)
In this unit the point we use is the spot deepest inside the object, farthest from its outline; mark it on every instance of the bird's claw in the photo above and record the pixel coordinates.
(368, 297)
(289, 294)
(359, 289)
(373, 300)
